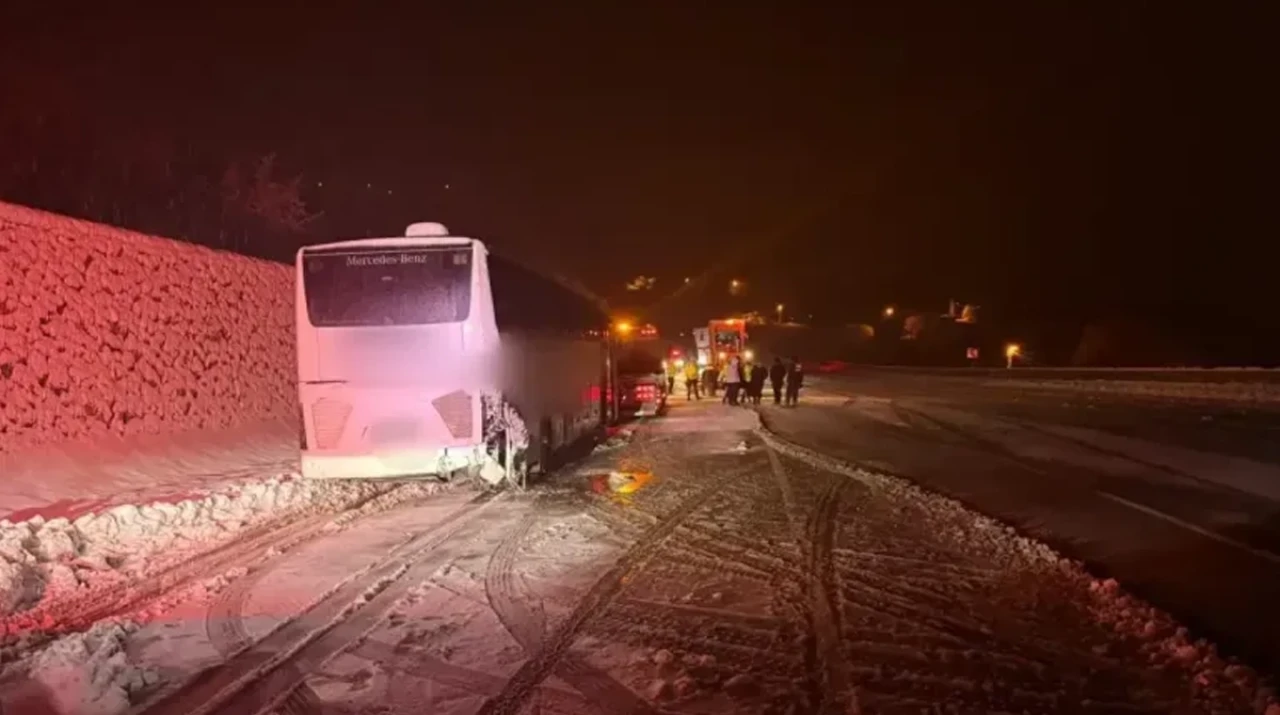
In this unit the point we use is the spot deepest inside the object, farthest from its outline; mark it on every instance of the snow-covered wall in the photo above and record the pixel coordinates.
(107, 331)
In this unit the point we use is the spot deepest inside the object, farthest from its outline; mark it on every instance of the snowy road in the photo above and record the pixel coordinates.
(1178, 500)
(704, 568)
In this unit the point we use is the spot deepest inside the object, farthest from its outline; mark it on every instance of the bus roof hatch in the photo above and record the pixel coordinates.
(426, 228)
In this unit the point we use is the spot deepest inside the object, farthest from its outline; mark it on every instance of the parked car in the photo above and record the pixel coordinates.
(830, 366)
(642, 384)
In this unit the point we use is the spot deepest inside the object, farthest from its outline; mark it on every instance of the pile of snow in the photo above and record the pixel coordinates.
(1235, 392)
(85, 674)
(55, 568)
(1165, 644)
(105, 331)
(49, 569)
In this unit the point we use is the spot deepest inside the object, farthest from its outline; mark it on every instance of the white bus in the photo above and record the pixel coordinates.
(405, 343)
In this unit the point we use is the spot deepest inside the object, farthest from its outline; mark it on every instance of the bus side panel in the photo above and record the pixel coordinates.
(555, 383)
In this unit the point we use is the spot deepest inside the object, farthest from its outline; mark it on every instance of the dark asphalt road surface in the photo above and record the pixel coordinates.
(1180, 502)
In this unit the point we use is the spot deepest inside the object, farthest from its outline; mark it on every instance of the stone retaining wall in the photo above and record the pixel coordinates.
(105, 331)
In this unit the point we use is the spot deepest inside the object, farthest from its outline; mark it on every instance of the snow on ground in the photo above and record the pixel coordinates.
(51, 571)
(701, 568)
(75, 478)
(1239, 392)
(1128, 635)
(57, 567)
(86, 673)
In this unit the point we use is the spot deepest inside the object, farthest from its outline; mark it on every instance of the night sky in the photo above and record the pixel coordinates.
(1055, 161)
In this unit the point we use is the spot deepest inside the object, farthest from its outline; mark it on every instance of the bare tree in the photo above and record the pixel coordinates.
(255, 201)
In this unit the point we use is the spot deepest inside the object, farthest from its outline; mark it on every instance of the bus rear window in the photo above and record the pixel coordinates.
(370, 286)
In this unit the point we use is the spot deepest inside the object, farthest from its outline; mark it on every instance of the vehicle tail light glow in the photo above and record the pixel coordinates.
(329, 417)
(455, 409)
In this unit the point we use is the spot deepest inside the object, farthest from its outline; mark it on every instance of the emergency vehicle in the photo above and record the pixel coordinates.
(721, 341)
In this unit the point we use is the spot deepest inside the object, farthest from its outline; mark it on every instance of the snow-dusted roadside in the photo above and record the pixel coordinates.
(1246, 393)
(693, 582)
(53, 573)
(694, 569)
(1164, 644)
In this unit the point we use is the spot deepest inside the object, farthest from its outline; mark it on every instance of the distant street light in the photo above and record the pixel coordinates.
(735, 283)
(889, 311)
(779, 308)
(1011, 351)
(686, 280)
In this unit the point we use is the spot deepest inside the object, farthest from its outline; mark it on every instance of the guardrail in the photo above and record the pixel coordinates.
(1214, 375)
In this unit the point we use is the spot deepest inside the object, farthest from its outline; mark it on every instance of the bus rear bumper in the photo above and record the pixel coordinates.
(389, 464)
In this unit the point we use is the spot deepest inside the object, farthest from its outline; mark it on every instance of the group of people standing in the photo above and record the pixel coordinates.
(744, 382)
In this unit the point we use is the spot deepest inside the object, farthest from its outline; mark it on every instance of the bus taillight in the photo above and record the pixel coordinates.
(456, 410)
(330, 419)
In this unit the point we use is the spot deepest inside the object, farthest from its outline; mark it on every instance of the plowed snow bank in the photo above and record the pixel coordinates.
(50, 568)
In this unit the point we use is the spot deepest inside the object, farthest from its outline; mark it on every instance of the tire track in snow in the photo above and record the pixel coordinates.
(749, 539)
(224, 625)
(541, 665)
(522, 615)
(266, 673)
(431, 668)
(224, 619)
(827, 677)
(247, 548)
(733, 638)
(892, 678)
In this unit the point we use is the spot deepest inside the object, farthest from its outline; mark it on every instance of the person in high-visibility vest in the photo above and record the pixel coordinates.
(691, 390)
(672, 369)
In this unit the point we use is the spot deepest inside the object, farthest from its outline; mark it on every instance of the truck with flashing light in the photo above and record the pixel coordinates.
(721, 341)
